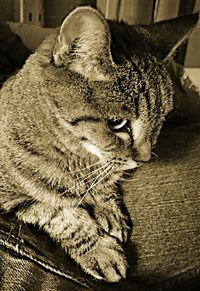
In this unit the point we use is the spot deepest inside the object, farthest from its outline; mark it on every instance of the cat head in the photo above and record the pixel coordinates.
(112, 89)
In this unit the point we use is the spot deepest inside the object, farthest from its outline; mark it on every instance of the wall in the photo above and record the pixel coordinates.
(193, 52)
(7, 10)
(55, 10)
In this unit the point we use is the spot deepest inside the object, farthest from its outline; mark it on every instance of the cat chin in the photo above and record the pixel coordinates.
(130, 165)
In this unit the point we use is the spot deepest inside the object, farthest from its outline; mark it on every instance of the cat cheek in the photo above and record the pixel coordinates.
(93, 149)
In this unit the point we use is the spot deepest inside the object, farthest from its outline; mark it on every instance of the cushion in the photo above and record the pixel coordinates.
(163, 200)
(163, 197)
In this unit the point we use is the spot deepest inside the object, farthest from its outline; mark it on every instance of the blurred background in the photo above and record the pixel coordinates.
(49, 13)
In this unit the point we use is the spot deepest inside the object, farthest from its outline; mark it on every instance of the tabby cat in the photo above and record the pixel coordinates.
(86, 106)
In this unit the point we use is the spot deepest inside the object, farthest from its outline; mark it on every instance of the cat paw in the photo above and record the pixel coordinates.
(114, 223)
(105, 262)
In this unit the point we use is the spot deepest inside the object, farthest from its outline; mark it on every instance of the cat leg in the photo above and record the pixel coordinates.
(98, 253)
(111, 215)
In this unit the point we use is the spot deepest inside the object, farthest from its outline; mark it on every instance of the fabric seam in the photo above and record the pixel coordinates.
(44, 265)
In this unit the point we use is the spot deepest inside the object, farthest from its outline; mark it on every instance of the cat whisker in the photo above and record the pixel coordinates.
(104, 168)
(95, 182)
(83, 169)
(108, 173)
(83, 181)
(98, 176)
(91, 173)
(155, 155)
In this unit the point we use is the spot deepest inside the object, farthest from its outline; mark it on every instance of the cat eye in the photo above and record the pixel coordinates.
(116, 124)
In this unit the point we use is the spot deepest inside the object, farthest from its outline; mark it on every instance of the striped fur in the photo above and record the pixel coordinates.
(60, 161)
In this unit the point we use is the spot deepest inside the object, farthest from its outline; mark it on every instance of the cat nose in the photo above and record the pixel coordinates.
(142, 156)
(142, 151)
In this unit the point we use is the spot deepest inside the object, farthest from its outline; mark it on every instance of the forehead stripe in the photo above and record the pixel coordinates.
(136, 126)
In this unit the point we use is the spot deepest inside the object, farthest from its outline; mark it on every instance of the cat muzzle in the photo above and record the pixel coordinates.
(142, 154)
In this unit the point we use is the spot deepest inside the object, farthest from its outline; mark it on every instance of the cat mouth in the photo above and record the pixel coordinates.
(124, 164)
(130, 171)
(129, 165)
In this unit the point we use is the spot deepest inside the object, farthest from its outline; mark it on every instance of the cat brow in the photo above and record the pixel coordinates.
(84, 118)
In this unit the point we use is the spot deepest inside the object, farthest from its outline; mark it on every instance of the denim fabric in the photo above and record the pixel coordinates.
(31, 261)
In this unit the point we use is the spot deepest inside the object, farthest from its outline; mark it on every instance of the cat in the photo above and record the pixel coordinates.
(88, 105)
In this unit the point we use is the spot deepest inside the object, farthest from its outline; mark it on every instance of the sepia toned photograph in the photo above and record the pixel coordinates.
(99, 145)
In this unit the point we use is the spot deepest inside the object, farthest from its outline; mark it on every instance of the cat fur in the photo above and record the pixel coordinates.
(60, 161)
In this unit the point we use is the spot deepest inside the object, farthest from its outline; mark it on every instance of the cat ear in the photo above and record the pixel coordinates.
(165, 37)
(83, 44)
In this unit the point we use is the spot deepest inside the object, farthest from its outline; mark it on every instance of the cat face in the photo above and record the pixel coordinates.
(105, 118)
(126, 103)
(97, 90)
(92, 126)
